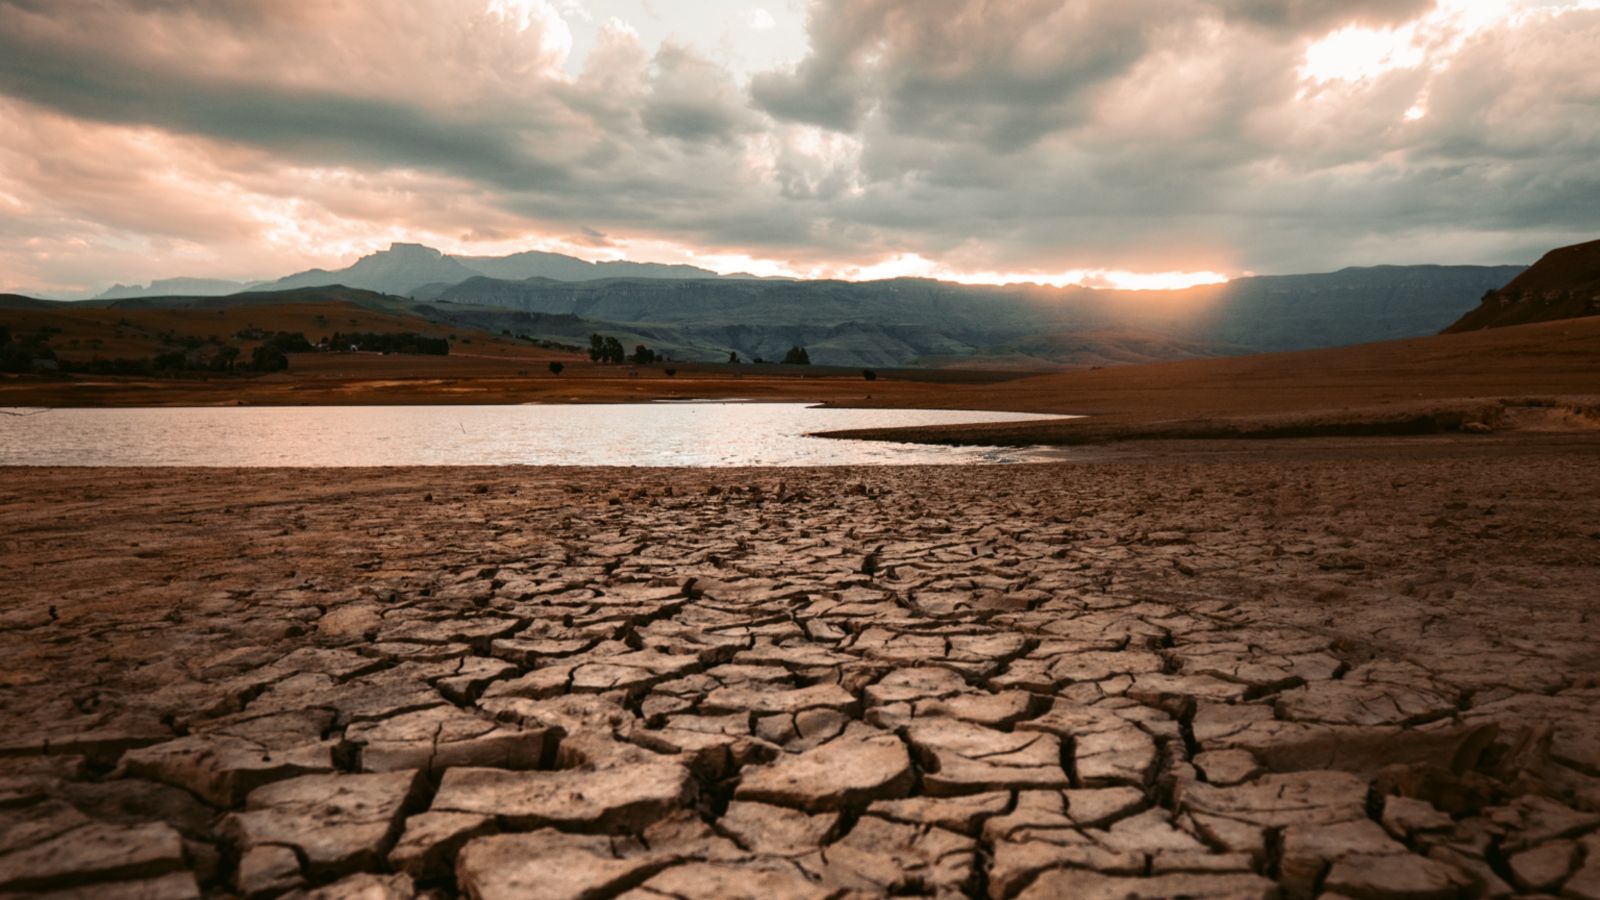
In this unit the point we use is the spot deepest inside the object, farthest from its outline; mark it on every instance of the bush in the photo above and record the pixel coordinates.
(290, 342)
(15, 358)
(556, 367)
(643, 356)
(670, 372)
(24, 353)
(869, 375)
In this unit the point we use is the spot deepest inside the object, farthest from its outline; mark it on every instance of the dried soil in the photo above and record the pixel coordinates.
(1364, 668)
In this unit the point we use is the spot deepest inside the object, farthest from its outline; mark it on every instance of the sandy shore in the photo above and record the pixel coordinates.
(1361, 668)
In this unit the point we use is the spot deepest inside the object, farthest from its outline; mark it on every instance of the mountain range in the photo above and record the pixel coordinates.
(404, 267)
(692, 313)
(918, 321)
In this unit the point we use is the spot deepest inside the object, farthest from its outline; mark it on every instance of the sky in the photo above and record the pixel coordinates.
(1139, 143)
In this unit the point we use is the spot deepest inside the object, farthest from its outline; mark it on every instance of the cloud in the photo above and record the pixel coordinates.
(1321, 16)
(147, 138)
(693, 99)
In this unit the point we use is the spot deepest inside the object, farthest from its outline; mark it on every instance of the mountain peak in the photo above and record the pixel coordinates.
(400, 248)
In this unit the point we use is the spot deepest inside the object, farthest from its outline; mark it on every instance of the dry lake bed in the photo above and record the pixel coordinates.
(1346, 669)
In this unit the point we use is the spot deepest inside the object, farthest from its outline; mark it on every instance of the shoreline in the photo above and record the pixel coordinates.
(1480, 416)
(1530, 378)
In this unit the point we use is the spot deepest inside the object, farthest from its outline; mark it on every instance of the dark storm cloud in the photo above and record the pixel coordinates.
(1017, 136)
(1006, 73)
(307, 125)
(1319, 16)
(694, 99)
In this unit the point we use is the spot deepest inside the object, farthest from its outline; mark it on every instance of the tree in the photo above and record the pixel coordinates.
(643, 356)
(869, 375)
(797, 356)
(224, 358)
(556, 367)
(733, 356)
(266, 358)
(614, 352)
(597, 348)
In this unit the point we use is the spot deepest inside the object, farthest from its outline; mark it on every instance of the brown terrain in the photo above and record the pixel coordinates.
(1346, 668)
(90, 331)
(1564, 284)
(1544, 376)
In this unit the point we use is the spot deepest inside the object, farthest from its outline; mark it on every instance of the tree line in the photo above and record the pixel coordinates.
(395, 342)
(609, 351)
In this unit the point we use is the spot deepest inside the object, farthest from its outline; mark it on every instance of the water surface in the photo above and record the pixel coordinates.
(644, 434)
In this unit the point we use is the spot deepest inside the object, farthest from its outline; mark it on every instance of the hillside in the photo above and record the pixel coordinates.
(138, 328)
(258, 298)
(1563, 284)
(1545, 373)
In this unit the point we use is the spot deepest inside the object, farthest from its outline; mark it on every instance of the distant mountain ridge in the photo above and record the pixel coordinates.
(558, 267)
(909, 320)
(173, 287)
(1563, 284)
(692, 313)
(404, 268)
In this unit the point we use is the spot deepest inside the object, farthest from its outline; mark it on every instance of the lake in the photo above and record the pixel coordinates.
(702, 433)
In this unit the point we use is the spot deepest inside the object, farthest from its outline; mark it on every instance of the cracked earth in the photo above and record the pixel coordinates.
(1336, 675)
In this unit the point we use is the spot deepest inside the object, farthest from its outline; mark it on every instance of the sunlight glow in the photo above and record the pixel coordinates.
(912, 265)
(1355, 53)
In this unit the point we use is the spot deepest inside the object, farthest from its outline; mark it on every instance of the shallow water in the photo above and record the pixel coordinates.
(649, 434)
